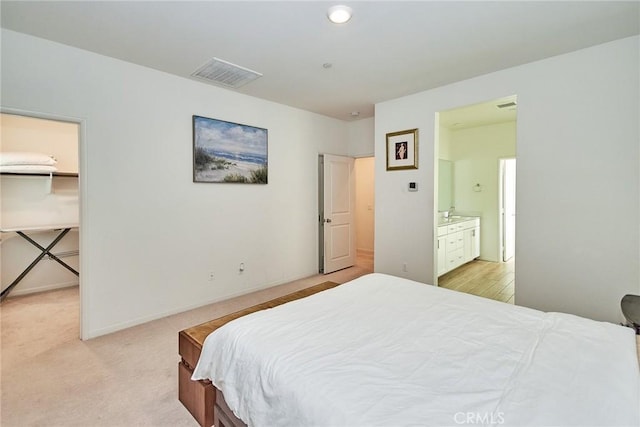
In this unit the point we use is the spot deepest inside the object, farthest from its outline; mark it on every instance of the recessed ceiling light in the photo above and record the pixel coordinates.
(355, 113)
(339, 14)
(327, 65)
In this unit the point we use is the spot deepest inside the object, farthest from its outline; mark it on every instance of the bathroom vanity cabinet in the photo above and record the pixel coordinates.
(458, 243)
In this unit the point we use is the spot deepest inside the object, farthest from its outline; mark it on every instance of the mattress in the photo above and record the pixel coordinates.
(382, 350)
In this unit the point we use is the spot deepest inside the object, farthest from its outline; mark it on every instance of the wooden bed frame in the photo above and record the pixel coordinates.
(201, 398)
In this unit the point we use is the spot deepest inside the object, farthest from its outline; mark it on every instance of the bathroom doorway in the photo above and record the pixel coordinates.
(479, 143)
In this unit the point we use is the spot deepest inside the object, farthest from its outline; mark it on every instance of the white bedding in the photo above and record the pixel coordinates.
(10, 158)
(28, 169)
(382, 350)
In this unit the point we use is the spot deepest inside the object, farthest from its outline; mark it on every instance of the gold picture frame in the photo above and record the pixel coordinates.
(402, 150)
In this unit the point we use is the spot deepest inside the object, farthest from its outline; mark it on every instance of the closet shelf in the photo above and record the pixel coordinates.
(64, 174)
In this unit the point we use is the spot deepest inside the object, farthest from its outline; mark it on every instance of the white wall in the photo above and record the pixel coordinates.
(443, 146)
(578, 162)
(361, 137)
(149, 235)
(476, 152)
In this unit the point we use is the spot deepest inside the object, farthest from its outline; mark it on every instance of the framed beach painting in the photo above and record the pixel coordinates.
(402, 150)
(228, 152)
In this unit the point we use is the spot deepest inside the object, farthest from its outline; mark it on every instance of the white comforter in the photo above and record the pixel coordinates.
(381, 350)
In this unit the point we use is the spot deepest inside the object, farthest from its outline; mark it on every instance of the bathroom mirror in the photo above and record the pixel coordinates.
(445, 184)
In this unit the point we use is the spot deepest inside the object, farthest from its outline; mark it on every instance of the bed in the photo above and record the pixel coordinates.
(382, 350)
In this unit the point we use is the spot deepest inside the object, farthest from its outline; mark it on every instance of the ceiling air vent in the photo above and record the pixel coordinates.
(506, 105)
(225, 73)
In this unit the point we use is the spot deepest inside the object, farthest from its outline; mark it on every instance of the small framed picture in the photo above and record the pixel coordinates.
(402, 150)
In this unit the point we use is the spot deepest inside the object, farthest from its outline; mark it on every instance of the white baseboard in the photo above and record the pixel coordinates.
(144, 319)
(365, 252)
(51, 287)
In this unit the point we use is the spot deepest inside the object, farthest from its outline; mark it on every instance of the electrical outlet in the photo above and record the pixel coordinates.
(211, 276)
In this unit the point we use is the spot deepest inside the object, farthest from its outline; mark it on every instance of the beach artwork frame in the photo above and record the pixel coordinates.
(402, 150)
(227, 152)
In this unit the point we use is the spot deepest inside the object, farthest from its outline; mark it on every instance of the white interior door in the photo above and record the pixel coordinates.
(509, 208)
(338, 228)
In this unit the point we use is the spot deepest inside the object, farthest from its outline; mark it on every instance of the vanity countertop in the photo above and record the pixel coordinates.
(454, 220)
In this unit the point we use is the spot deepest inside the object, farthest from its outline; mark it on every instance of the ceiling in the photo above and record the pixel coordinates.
(387, 50)
(485, 113)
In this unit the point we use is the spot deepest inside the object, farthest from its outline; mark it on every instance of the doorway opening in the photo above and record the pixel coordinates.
(40, 223)
(365, 210)
(336, 216)
(477, 150)
(346, 212)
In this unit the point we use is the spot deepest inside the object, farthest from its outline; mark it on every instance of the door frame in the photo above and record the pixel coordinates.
(502, 202)
(82, 190)
(321, 213)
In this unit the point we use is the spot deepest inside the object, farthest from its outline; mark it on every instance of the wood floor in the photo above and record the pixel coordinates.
(494, 280)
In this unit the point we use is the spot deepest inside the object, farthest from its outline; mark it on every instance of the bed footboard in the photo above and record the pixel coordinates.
(197, 396)
(222, 414)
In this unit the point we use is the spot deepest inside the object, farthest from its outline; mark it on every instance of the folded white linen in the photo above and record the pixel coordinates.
(8, 158)
(28, 168)
(382, 350)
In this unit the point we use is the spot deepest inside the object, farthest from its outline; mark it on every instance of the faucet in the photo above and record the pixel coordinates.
(450, 212)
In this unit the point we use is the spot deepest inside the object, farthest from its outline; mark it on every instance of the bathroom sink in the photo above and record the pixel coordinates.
(453, 219)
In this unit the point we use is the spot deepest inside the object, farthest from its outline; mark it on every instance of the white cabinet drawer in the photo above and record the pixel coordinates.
(443, 230)
(469, 224)
(455, 258)
(454, 241)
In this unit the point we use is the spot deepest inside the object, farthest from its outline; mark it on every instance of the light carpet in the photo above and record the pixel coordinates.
(51, 378)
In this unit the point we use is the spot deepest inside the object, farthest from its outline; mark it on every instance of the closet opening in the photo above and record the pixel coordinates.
(40, 230)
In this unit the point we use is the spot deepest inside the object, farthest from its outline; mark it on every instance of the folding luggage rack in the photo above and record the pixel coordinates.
(44, 252)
